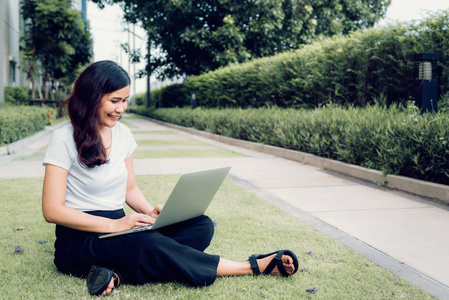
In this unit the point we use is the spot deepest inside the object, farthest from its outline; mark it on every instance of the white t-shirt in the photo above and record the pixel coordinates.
(99, 188)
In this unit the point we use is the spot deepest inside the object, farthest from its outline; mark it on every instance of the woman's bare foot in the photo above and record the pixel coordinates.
(287, 261)
(97, 283)
(109, 288)
(231, 268)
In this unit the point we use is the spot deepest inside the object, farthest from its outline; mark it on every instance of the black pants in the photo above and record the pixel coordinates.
(172, 253)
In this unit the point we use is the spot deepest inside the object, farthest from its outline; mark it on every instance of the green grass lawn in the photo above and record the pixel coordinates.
(37, 156)
(246, 224)
(138, 131)
(174, 142)
(129, 125)
(131, 116)
(175, 153)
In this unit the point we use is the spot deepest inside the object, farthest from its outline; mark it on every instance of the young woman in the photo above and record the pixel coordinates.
(89, 174)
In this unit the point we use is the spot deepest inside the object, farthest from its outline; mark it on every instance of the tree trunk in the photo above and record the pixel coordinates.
(33, 91)
(45, 86)
(148, 98)
(39, 89)
(375, 12)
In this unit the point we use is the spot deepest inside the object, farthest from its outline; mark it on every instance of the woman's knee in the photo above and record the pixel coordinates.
(196, 233)
(205, 232)
(207, 224)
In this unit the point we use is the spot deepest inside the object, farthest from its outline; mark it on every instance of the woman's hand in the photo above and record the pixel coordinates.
(156, 211)
(132, 220)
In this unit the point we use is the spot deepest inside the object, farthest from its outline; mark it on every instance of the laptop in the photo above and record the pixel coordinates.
(189, 199)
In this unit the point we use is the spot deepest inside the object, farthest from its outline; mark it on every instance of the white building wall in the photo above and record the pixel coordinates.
(14, 39)
(3, 47)
(9, 45)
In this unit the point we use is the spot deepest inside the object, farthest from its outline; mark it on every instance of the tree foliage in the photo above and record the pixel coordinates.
(373, 66)
(199, 36)
(56, 39)
(432, 36)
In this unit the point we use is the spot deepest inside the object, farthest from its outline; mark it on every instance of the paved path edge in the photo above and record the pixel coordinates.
(10, 151)
(434, 191)
(409, 274)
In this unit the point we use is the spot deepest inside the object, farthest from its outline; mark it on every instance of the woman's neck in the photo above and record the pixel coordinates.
(104, 131)
(106, 138)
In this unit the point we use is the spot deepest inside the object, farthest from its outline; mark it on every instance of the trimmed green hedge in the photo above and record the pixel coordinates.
(175, 95)
(139, 99)
(21, 121)
(397, 140)
(16, 95)
(347, 70)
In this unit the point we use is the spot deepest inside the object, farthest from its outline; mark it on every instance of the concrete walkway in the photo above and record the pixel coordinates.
(406, 234)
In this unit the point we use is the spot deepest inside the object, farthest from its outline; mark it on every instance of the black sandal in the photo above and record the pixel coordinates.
(99, 278)
(276, 261)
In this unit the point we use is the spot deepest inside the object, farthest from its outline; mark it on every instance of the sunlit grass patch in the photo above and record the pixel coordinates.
(187, 142)
(245, 224)
(173, 153)
(127, 124)
(37, 156)
(138, 131)
(126, 116)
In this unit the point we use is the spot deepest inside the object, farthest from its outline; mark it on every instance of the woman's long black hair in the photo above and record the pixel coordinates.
(83, 103)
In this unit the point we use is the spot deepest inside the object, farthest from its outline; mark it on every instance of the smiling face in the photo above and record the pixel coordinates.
(112, 106)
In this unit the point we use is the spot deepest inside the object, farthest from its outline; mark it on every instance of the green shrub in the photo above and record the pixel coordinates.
(16, 95)
(175, 95)
(156, 94)
(346, 70)
(432, 35)
(19, 122)
(398, 140)
(139, 99)
(350, 70)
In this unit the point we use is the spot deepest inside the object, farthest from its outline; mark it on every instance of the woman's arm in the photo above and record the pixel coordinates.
(134, 197)
(55, 211)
